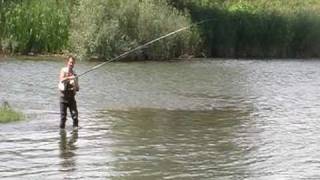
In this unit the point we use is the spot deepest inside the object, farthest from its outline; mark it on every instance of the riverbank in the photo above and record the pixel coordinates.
(34, 57)
(59, 57)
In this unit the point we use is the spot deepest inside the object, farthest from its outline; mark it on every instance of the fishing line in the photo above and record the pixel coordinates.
(142, 46)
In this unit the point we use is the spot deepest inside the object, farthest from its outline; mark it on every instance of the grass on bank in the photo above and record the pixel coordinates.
(7, 114)
(257, 28)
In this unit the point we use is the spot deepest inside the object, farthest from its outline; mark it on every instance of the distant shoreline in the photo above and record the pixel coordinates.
(62, 57)
(33, 56)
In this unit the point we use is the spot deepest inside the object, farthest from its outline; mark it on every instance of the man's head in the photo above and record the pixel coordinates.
(71, 61)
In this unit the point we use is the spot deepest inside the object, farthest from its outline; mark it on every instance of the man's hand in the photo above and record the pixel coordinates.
(71, 77)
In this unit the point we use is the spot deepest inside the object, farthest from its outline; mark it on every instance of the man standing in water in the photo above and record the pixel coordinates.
(68, 86)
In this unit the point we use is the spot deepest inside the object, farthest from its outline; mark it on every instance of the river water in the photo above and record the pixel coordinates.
(198, 119)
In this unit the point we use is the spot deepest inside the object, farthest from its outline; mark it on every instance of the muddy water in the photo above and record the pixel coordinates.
(201, 119)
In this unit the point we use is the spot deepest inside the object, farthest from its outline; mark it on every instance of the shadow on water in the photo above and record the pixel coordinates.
(68, 149)
(160, 143)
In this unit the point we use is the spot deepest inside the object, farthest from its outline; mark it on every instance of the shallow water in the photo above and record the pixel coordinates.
(201, 119)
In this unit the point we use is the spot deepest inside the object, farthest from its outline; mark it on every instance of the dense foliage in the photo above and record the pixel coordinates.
(34, 26)
(106, 28)
(257, 28)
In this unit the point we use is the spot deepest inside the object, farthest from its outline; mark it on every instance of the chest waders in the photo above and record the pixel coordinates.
(67, 100)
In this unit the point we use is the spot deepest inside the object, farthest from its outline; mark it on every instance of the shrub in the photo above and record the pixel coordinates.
(108, 28)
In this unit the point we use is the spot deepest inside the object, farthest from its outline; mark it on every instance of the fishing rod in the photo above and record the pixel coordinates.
(142, 46)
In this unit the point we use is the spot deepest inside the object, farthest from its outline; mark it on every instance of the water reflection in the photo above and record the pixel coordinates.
(160, 143)
(68, 149)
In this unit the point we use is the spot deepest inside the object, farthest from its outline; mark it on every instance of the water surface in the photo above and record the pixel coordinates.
(199, 119)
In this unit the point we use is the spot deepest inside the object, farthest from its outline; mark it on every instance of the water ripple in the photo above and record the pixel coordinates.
(177, 120)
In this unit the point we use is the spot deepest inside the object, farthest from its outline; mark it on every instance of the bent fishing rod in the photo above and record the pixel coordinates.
(143, 46)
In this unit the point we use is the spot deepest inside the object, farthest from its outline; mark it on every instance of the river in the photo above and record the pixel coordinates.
(193, 119)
